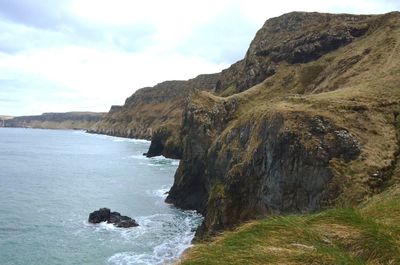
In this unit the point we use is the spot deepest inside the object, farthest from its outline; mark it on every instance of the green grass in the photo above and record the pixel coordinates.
(369, 234)
(229, 91)
(354, 90)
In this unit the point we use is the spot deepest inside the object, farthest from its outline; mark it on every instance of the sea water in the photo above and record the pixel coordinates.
(50, 180)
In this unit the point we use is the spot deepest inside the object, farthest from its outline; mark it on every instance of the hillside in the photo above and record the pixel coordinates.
(294, 38)
(311, 136)
(307, 121)
(368, 234)
(154, 111)
(310, 155)
(67, 120)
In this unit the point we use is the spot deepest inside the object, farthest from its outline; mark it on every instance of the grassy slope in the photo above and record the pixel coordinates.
(369, 234)
(358, 88)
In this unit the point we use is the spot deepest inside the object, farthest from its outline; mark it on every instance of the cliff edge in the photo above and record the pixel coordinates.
(319, 131)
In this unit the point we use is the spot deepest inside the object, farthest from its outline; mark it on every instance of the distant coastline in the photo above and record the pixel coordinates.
(64, 120)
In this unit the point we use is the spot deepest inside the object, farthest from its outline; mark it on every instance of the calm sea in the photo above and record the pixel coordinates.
(50, 180)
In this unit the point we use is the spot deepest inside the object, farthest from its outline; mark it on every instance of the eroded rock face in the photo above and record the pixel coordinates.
(201, 124)
(150, 108)
(256, 167)
(296, 37)
(115, 218)
(166, 141)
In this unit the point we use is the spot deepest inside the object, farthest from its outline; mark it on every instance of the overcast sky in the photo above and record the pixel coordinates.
(87, 55)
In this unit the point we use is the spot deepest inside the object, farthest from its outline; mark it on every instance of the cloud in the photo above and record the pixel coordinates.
(89, 54)
(43, 14)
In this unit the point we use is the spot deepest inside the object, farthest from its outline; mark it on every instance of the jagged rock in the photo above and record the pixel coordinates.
(102, 215)
(166, 141)
(282, 171)
(121, 221)
(105, 215)
(296, 37)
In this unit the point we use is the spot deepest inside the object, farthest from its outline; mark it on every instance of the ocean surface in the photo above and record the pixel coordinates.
(50, 180)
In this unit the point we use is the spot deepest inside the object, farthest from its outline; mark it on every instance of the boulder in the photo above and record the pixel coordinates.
(122, 221)
(115, 218)
(102, 215)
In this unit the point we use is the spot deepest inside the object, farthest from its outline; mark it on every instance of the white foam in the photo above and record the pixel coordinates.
(79, 131)
(139, 157)
(162, 161)
(160, 193)
(114, 138)
(168, 250)
(138, 141)
(157, 161)
(103, 226)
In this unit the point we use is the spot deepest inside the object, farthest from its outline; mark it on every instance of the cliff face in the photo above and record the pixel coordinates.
(307, 120)
(294, 38)
(319, 130)
(67, 120)
(154, 111)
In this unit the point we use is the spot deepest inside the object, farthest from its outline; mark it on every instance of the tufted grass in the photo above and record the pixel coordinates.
(369, 234)
(357, 88)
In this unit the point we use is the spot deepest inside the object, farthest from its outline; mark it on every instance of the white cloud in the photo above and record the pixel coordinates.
(91, 54)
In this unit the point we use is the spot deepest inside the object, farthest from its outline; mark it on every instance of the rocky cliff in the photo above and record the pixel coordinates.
(154, 111)
(293, 38)
(67, 120)
(307, 120)
(314, 125)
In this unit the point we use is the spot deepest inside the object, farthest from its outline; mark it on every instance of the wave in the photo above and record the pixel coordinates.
(114, 138)
(180, 231)
(139, 141)
(160, 193)
(139, 157)
(157, 161)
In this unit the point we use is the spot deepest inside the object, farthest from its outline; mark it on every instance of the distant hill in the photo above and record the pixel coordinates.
(67, 120)
(2, 117)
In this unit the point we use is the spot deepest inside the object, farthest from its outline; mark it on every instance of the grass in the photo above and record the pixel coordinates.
(228, 91)
(369, 234)
(353, 89)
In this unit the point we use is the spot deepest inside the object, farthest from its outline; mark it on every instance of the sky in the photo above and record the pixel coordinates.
(86, 55)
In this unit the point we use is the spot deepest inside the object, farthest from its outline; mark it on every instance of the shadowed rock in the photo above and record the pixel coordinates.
(115, 218)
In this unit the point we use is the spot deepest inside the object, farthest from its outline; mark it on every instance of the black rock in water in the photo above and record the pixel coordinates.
(115, 218)
(102, 215)
(122, 221)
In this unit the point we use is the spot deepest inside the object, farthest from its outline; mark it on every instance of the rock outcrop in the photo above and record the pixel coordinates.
(154, 111)
(296, 37)
(115, 218)
(67, 120)
(309, 136)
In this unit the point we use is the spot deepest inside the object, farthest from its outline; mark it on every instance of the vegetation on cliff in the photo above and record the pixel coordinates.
(308, 120)
(368, 234)
(318, 133)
